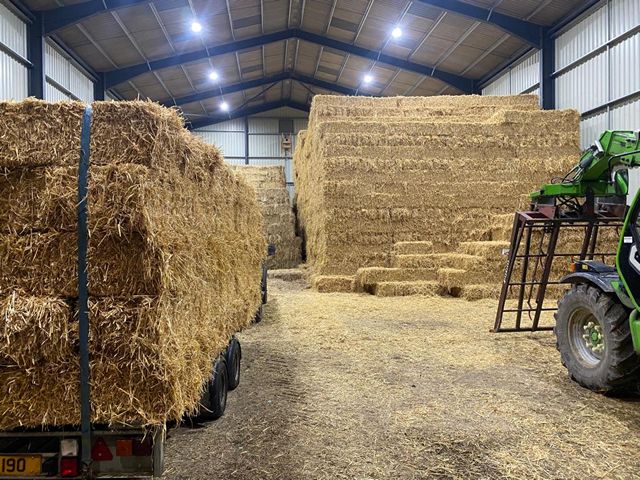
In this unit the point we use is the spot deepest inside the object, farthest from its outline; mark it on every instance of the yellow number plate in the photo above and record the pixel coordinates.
(19, 465)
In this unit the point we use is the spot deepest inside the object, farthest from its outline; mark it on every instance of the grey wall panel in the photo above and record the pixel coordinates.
(625, 15)
(592, 127)
(521, 77)
(585, 86)
(13, 74)
(60, 69)
(300, 124)
(15, 80)
(265, 145)
(582, 38)
(264, 125)
(625, 56)
(13, 31)
(231, 143)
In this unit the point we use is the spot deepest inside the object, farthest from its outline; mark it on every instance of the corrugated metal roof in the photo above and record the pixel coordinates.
(161, 29)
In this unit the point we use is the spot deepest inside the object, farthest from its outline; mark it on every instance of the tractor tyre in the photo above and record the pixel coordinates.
(593, 337)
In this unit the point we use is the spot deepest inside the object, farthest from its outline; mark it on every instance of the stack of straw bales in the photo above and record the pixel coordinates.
(174, 263)
(376, 175)
(279, 221)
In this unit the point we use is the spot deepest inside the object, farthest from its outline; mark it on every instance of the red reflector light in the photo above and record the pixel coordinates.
(100, 451)
(68, 467)
(124, 448)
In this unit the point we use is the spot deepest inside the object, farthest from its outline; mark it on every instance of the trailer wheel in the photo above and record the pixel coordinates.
(233, 357)
(593, 337)
(215, 398)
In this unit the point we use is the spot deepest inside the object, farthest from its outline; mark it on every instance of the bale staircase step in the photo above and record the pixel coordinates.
(412, 248)
(401, 289)
(367, 278)
(437, 260)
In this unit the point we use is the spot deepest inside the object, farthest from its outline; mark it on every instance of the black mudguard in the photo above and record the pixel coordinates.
(602, 280)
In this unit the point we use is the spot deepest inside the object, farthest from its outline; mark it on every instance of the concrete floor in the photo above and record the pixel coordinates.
(358, 387)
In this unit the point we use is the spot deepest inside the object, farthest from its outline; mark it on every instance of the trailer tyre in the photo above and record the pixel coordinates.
(233, 357)
(593, 337)
(215, 400)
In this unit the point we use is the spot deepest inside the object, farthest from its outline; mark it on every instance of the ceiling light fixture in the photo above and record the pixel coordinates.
(397, 32)
(196, 27)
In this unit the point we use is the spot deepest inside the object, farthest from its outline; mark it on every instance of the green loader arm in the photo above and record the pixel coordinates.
(600, 168)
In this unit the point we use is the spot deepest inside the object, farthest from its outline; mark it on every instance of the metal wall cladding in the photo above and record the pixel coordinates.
(15, 80)
(13, 31)
(625, 15)
(582, 38)
(54, 94)
(235, 125)
(62, 71)
(265, 145)
(300, 124)
(519, 78)
(525, 74)
(585, 86)
(264, 125)
(591, 128)
(625, 62)
(80, 85)
(56, 66)
(230, 143)
(500, 86)
(282, 112)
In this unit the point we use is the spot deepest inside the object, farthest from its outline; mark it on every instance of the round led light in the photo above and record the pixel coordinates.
(213, 76)
(196, 27)
(224, 106)
(368, 79)
(396, 33)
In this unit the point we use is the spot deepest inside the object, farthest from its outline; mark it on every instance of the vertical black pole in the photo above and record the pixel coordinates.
(547, 66)
(36, 54)
(83, 294)
(246, 140)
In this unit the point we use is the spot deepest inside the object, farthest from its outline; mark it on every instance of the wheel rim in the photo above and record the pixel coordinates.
(236, 363)
(586, 336)
(222, 392)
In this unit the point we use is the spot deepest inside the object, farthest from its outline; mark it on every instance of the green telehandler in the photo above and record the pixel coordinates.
(597, 320)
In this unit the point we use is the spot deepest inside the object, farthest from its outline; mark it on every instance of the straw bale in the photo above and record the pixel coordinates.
(409, 248)
(495, 250)
(438, 260)
(332, 283)
(279, 221)
(453, 278)
(174, 263)
(366, 278)
(371, 173)
(402, 289)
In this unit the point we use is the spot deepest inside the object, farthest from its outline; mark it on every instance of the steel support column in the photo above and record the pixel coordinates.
(547, 67)
(98, 88)
(246, 140)
(36, 55)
